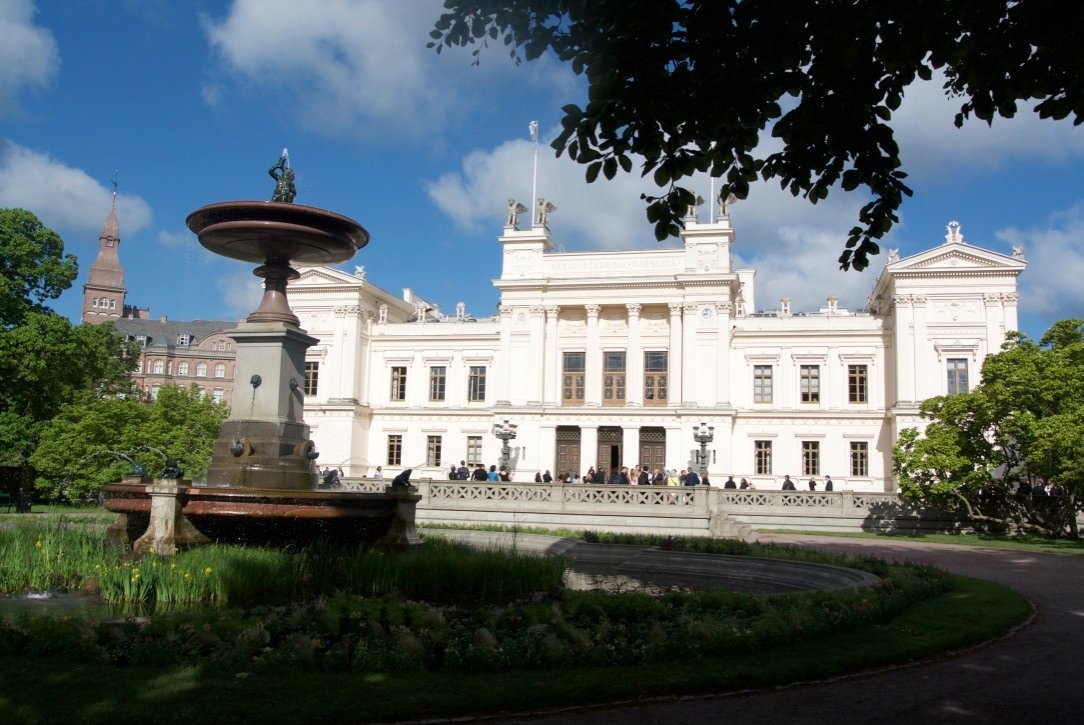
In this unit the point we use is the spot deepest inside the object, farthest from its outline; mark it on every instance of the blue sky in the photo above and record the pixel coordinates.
(193, 101)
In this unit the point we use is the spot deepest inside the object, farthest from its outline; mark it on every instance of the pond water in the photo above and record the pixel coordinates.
(55, 603)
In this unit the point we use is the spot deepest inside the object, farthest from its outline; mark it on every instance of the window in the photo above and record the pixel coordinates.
(220, 370)
(859, 458)
(957, 375)
(182, 368)
(762, 383)
(218, 395)
(201, 370)
(810, 377)
(811, 458)
(183, 339)
(159, 367)
(438, 378)
(312, 376)
(154, 391)
(476, 389)
(432, 450)
(142, 340)
(572, 378)
(613, 378)
(474, 450)
(395, 450)
(139, 365)
(169, 368)
(857, 378)
(762, 457)
(398, 383)
(656, 377)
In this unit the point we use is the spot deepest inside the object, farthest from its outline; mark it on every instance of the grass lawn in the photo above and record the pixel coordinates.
(1026, 543)
(54, 690)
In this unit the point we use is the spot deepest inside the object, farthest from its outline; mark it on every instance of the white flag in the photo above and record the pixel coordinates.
(534, 131)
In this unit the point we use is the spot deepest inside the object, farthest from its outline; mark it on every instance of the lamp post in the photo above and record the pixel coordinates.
(505, 431)
(703, 434)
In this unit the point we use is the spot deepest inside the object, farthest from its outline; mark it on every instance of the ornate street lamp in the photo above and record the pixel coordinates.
(505, 431)
(703, 434)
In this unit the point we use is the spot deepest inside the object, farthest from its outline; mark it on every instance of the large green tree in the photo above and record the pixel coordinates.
(1023, 425)
(33, 266)
(88, 443)
(687, 86)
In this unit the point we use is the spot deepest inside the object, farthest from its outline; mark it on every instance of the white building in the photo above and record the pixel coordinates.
(610, 358)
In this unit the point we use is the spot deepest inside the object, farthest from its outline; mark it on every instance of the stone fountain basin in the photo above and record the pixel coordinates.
(256, 231)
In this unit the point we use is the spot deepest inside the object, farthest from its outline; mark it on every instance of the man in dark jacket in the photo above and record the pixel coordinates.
(730, 483)
(691, 478)
(788, 485)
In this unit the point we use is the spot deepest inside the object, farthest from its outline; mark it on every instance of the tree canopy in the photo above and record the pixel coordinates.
(33, 266)
(81, 448)
(687, 86)
(985, 451)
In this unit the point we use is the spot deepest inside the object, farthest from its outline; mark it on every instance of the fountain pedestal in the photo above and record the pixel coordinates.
(262, 484)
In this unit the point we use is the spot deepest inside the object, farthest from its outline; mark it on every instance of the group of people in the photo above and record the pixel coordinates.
(788, 485)
(462, 472)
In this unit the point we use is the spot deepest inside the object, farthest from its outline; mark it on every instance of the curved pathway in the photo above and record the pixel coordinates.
(1032, 676)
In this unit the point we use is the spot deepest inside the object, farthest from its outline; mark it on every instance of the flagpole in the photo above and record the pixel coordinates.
(534, 171)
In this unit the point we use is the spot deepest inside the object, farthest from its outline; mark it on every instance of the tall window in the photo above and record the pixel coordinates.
(218, 395)
(159, 367)
(312, 377)
(613, 378)
(572, 378)
(201, 370)
(220, 370)
(957, 375)
(474, 450)
(398, 383)
(432, 450)
(811, 458)
(656, 377)
(438, 378)
(762, 458)
(395, 450)
(183, 339)
(154, 391)
(139, 365)
(857, 379)
(476, 390)
(182, 368)
(859, 458)
(810, 379)
(762, 383)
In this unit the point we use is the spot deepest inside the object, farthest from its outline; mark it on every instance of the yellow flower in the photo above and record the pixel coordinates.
(207, 571)
(37, 544)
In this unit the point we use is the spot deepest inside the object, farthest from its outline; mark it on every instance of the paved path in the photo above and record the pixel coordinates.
(1034, 676)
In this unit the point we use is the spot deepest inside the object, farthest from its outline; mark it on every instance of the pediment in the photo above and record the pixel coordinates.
(956, 256)
(320, 276)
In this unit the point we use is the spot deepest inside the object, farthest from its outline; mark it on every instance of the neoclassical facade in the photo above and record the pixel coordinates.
(611, 358)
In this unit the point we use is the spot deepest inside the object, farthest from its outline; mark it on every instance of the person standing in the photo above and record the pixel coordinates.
(379, 473)
(730, 482)
(492, 475)
(812, 484)
(788, 485)
(692, 478)
(479, 473)
(828, 483)
(644, 479)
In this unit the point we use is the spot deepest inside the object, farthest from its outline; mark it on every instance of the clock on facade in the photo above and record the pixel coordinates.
(706, 313)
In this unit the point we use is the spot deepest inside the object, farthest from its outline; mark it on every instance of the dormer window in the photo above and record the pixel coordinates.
(184, 339)
(142, 340)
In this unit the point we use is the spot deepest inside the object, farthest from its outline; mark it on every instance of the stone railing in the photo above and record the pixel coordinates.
(659, 509)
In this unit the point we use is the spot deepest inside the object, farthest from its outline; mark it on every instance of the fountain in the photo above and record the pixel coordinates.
(262, 482)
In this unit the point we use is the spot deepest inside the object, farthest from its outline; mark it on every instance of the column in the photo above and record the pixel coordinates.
(922, 353)
(588, 448)
(634, 359)
(630, 446)
(675, 354)
(551, 394)
(905, 349)
(722, 372)
(504, 384)
(593, 373)
(689, 394)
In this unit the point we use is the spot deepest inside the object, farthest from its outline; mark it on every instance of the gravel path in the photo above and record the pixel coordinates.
(1033, 676)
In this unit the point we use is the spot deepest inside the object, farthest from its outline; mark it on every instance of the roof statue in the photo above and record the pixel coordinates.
(691, 212)
(954, 234)
(545, 208)
(725, 202)
(285, 191)
(514, 210)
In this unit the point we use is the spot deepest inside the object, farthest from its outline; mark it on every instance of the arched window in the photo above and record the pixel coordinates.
(182, 368)
(159, 367)
(201, 370)
(220, 370)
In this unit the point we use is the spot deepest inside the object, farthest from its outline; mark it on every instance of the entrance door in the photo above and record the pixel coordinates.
(653, 448)
(568, 453)
(609, 450)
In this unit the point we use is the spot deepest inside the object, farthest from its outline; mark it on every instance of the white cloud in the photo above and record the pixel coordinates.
(63, 197)
(931, 145)
(176, 240)
(28, 53)
(1051, 286)
(338, 63)
(241, 292)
